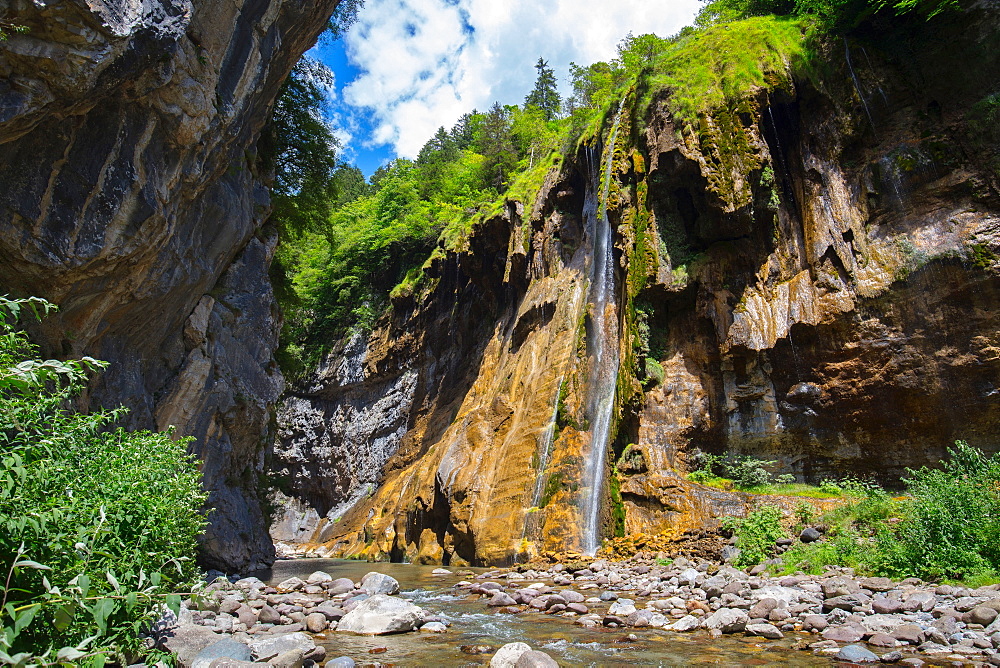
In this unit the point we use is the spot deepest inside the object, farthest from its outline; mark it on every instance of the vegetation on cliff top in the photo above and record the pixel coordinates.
(98, 526)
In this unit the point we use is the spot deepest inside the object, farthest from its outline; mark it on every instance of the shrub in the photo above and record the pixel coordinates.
(756, 534)
(951, 526)
(97, 525)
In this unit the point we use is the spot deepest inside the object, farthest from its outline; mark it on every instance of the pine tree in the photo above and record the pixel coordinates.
(545, 96)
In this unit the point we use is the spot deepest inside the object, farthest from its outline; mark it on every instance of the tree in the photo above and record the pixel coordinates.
(496, 143)
(343, 18)
(302, 150)
(545, 96)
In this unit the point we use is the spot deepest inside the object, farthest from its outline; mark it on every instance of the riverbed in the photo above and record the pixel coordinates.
(473, 623)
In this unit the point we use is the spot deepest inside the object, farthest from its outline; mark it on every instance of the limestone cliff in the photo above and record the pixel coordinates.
(810, 275)
(132, 198)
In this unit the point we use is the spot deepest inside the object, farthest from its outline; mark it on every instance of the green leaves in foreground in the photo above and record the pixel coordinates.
(97, 525)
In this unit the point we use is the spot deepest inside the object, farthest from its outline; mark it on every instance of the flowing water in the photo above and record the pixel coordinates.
(602, 346)
(473, 623)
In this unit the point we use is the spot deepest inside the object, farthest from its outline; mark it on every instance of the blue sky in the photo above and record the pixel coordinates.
(408, 67)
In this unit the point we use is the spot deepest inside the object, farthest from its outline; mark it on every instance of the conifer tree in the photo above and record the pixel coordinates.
(545, 96)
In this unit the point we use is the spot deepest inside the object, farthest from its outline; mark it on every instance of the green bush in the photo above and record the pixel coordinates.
(951, 527)
(98, 526)
(756, 534)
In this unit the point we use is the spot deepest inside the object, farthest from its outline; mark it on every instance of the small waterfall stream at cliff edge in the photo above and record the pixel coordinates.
(602, 345)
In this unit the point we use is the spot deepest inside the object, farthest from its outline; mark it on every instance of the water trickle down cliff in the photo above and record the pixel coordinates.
(791, 284)
(602, 345)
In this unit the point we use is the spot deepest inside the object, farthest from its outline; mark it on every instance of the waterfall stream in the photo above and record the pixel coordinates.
(602, 346)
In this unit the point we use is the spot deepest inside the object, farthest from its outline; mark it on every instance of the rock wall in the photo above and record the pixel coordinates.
(811, 277)
(133, 199)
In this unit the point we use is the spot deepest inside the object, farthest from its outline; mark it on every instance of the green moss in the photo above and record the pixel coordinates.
(617, 507)
(982, 256)
(552, 486)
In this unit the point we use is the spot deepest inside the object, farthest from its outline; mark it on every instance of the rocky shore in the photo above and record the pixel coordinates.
(837, 615)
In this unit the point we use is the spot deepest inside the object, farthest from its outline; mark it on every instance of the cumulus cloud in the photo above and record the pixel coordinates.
(424, 63)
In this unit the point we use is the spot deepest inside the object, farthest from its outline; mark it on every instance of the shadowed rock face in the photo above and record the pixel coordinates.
(835, 312)
(132, 198)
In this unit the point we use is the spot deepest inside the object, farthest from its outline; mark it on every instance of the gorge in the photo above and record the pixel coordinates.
(804, 269)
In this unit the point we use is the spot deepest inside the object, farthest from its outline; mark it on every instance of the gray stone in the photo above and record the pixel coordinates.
(810, 535)
(380, 615)
(186, 641)
(268, 647)
(291, 584)
(535, 659)
(378, 583)
(507, 656)
(340, 586)
(685, 623)
(223, 649)
(316, 622)
(856, 654)
(501, 599)
(768, 631)
(433, 627)
(844, 633)
(983, 614)
(894, 656)
(319, 577)
(268, 615)
(293, 658)
(340, 662)
(727, 620)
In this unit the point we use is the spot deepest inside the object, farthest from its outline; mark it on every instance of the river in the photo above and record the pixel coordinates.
(473, 623)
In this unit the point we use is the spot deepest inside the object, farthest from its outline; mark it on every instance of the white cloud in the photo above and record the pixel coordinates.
(426, 62)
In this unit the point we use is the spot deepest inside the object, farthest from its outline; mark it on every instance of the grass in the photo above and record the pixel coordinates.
(796, 489)
(722, 64)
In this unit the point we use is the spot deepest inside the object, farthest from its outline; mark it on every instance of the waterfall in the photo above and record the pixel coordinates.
(547, 438)
(602, 346)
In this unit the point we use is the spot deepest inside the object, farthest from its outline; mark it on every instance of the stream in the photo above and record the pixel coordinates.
(473, 623)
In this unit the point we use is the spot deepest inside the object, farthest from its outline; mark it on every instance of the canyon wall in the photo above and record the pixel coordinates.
(133, 198)
(809, 274)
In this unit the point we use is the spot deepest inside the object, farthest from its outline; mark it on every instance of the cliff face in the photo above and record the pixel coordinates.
(813, 273)
(132, 199)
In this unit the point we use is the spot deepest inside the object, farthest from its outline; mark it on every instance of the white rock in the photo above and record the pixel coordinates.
(443, 571)
(319, 577)
(507, 656)
(270, 647)
(623, 607)
(727, 620)
(380, 615)
(688, 577)
(685, 623)
(378, 583)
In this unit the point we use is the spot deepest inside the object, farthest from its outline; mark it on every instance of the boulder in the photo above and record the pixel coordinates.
(501, 599)
(908, 633)
(291, 584)
(293, 658)
(983, 614)
(855, 654)
(433, 627)
(847, 633)
(319, 577)
(268, 615)
(316, 622)
(507, 656)
(340, 662)
(887, 606)
(622, 608)
(685, 623)
(340, 586)
(768, 631)
(810, 535)
(535, 659)
(223, 649)
(378, 583)
(381, 615)
(187, 641)
(271, 646)
(727, 620)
